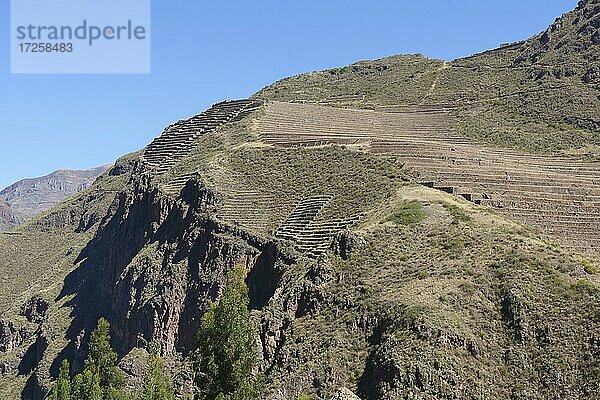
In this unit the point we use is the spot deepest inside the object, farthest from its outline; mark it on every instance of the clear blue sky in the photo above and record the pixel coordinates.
(206, 51)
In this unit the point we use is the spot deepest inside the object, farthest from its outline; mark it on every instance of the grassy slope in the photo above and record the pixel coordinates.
(537, 94)
(389, 81)
(464, 304)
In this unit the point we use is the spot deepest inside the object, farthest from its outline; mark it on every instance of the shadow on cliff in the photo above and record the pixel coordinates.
(161, 299)
(33, 355)
(128, 227)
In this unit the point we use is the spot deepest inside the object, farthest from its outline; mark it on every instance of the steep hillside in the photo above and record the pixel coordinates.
(30, 197)
(540, 95)
(359, 276)
(418, 294)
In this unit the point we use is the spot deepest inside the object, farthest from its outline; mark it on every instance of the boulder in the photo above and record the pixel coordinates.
(346, 242)
(35, 309)
(345, 394)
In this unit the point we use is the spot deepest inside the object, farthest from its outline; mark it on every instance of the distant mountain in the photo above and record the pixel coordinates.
(27, 198)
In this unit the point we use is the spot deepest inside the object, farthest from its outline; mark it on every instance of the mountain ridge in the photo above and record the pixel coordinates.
(358, 275)
(540, 95)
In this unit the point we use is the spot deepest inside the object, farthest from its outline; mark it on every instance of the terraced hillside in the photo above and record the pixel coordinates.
(178, 139)
(279, 205)
(561, 196)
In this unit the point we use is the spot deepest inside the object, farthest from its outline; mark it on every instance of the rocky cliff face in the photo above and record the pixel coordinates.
(572, 37)
(30, 197)
(156, 264)
(8, 219)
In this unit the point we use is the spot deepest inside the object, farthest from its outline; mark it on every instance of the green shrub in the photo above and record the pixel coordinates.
(589, 266)
(454, 245)
(456, 212)
(409, 213)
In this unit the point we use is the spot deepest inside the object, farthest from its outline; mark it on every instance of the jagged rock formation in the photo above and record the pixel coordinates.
(8, 219)
(346, 242)
(10, 336)
(118, 278)
(35, 310)
(30, 197)
(465, 303)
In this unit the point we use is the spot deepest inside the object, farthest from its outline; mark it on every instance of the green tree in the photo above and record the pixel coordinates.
(62, 388)
(226, 342)
(100, 379)
(102, 360)
(156, 385)
(86, 386)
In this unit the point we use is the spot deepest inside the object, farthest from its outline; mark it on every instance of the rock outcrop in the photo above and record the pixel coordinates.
(157, 295)
(35, 310)
(346, 242)
(345, 394)
(11, 336)
(8, 219)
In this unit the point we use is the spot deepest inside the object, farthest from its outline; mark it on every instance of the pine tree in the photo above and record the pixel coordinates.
(100, 379)
(62, 388)
(226, 341)
(156, 385)
(86, 386)
(102, 359)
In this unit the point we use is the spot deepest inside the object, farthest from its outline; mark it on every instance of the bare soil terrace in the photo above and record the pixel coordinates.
(559, 195)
